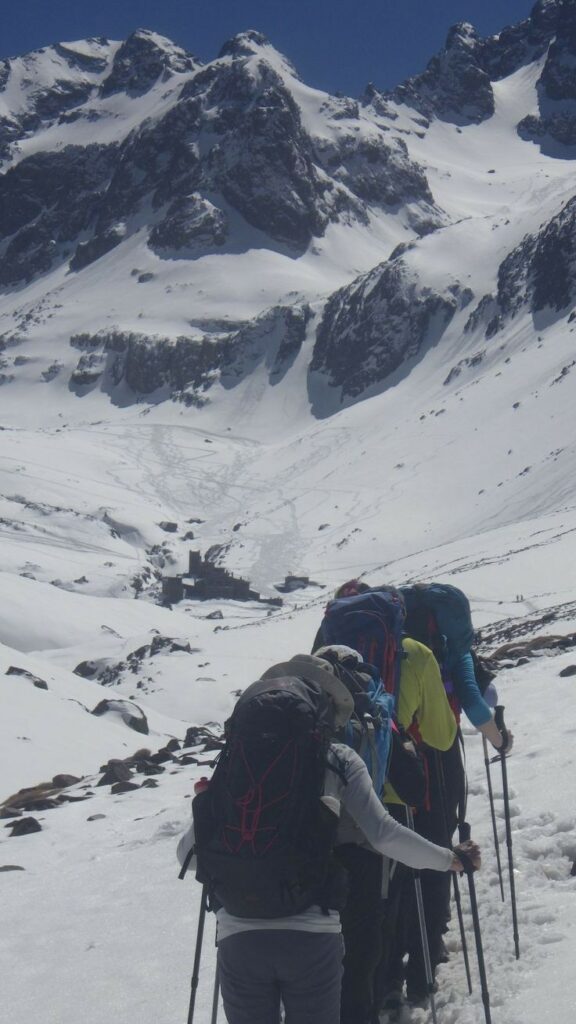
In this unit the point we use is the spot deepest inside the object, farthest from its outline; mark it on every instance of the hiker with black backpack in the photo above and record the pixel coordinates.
(263, 835)
(374, 921)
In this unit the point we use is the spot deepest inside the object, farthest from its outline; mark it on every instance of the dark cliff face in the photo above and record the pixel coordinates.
(541, 272)
(538, 275)
(454, 87)
(141, 61)
(376, 324)
(46, 201)
(457, 84)
(554, 127)
(233, 137)
(224, 158)
(185, 368)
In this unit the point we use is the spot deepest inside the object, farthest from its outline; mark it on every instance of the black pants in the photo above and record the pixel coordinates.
(362, 931)
(401, 927)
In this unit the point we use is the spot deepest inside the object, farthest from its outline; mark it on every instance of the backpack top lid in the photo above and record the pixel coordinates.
(306, 668)
(347, 616)
(281, 709)
(451, 610)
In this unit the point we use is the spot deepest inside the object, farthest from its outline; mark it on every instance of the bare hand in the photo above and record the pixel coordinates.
(472, 850)
(506, 743)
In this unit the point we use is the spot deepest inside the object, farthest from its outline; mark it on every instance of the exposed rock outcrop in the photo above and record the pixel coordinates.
(187, 366)
(381, 320)
(130, 713)
(455, 86)
(232, 138)
(538, 274)
(556, 121)
(142, 60)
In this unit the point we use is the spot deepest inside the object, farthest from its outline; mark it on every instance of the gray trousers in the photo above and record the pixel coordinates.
(261, 969)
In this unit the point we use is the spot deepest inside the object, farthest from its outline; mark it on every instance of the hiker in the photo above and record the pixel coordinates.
(374, 918)
(264, 773)
(438, 615)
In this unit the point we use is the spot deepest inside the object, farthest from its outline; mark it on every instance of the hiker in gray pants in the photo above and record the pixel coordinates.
(259, 968)
(297, 960)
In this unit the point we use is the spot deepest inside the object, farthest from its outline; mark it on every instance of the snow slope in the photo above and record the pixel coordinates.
(460, 466)
(107, 924)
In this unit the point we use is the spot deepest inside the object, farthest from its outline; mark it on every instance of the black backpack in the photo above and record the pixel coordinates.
(263, 835)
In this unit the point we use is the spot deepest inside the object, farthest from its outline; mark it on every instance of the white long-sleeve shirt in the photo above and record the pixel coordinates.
(347, 785)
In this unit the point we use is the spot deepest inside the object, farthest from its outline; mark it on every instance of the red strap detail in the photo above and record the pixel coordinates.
(252, 804)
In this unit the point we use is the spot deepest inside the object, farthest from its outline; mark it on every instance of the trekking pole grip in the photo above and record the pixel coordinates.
(499, 720)
(466, 862)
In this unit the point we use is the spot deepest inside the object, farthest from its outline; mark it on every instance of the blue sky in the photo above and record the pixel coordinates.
(335, 44)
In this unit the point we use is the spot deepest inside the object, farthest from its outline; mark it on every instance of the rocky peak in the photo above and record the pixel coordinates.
(245, 44)
(95, 61)
(142, 59)
(556, 121)
(544, 14)
(559, 75)
(463, 35)
(454, 86)
(253, 47)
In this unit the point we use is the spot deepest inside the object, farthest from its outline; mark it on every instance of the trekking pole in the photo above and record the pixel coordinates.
(216, 995)
(458, 903)
(197, 953)
(468, 866)
(499, 719)
(493, 815)
(457, 899)
(422, 923)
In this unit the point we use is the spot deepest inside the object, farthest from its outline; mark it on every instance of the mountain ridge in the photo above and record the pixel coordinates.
(236, 157)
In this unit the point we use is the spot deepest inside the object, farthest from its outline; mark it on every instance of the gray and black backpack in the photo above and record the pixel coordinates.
(263, 835)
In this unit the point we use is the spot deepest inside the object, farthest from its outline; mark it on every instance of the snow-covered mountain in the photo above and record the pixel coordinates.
(304, 335)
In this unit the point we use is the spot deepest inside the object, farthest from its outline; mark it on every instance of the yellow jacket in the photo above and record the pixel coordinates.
(422, 700)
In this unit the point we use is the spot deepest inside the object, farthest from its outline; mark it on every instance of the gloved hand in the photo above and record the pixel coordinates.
(471, 850)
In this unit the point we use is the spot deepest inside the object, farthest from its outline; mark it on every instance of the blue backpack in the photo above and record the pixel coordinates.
(371, 624)
(438, 615)
(435, 611)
